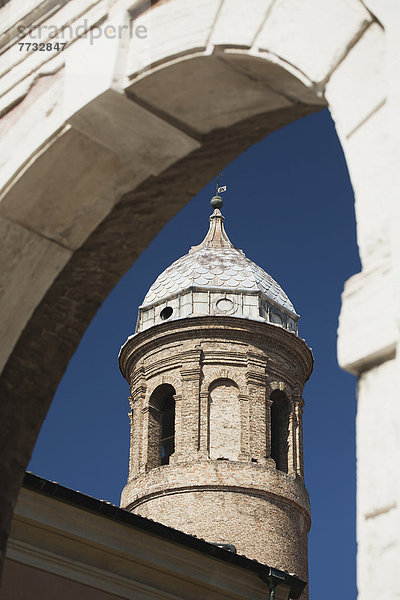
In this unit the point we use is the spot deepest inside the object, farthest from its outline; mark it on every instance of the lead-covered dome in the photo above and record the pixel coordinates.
(215, 278)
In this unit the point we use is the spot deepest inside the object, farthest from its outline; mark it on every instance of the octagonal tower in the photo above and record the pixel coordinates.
(216, 371)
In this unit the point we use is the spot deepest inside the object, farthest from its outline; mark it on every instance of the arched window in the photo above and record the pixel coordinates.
(279, 430)
(161, 433)
(224, 420)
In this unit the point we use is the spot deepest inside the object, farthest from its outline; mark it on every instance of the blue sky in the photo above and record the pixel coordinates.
(290, 207)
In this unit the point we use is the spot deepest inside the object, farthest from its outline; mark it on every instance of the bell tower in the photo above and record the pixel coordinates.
(216, 371)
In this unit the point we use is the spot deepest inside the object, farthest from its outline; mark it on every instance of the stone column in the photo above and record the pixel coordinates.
(135, 436)
(295, 434)
(132, 452)
(178, 451)
(298, 411)
(204, 425)
(292, 460)
(144, 418)
(244, 427)
(256, 383)
(151, 437)
(138, 387)
(268, 426)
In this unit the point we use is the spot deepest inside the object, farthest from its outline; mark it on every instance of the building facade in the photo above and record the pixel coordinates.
(216, 371)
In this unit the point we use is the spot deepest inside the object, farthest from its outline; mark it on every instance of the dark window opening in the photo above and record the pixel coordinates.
(166, 313)
(161, 433)
(279, 430)
(167, 420)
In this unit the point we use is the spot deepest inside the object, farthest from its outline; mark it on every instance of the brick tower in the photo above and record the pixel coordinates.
(216, 371)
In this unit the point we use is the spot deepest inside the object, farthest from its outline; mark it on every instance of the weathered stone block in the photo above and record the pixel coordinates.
(216, 96)
(28, 263)
(174, 28)
(358, 86)
(292, 32)
(238, 22)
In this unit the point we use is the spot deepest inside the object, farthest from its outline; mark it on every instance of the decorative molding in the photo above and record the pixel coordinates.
(267, 494)
(191, 374)
(256, 378)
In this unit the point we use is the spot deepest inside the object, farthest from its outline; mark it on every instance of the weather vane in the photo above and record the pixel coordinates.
(223, 187)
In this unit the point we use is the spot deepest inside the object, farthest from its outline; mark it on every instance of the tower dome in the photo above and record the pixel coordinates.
(215, 278)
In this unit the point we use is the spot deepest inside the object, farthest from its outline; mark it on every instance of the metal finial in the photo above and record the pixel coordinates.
(216, 202)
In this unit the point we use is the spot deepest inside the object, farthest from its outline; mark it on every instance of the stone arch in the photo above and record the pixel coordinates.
(281, 386)
(102, 213)
(229, 373)
(164, 379)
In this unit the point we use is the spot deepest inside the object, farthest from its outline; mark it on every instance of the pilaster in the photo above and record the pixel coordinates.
(256, 384)
(292, 445)
(190, 405)
(178, 452)
(244, 427)
(298, 411)
(204, 425)
(151, 417)
(268, 432)
(136, 401)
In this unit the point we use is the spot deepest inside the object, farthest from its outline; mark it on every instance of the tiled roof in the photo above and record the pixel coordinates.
(216, 268)
(216, 264)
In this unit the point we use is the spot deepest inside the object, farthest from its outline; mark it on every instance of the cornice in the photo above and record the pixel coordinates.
(214, 357)
(262, 335)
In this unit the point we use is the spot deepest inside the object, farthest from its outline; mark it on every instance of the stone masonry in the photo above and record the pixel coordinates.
(221, 482)
(96, 141)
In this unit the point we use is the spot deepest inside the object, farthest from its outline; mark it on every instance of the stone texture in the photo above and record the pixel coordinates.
(27, 127)
(143, 143)
(238, 22)
(175, 28)
(275, 74)
(224, 421)
(367, 323)
(29, 263)
(64, 208)
(222, 482)
(282, 535)
(368, 163)
(215, 94)
(378, 481)
(92, 64)
(314, 46)
(67, 211)
(358, 86)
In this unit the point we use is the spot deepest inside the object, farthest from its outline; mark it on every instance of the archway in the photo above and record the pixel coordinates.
(102, 211)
